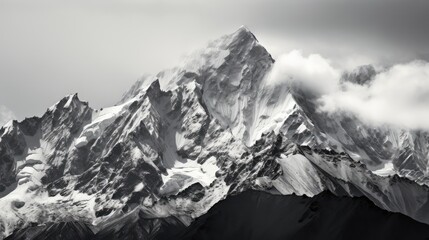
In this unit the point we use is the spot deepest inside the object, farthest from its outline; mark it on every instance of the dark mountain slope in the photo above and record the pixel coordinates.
(54, 231)
(259, 215)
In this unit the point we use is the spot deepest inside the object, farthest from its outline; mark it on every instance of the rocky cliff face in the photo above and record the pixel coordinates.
(180, 141)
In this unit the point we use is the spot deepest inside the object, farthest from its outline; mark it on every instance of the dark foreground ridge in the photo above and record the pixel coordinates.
(257, 215)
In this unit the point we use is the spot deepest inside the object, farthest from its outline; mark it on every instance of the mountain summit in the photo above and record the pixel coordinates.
(184, 139)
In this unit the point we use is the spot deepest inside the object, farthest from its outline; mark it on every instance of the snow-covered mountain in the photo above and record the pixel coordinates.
(179, 142)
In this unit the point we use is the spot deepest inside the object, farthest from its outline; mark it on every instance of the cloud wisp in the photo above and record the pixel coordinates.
(5, 115)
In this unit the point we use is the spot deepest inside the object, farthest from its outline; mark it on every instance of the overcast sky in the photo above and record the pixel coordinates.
(98, 48)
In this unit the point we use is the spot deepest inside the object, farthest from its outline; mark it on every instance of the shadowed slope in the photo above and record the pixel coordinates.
(259, 215)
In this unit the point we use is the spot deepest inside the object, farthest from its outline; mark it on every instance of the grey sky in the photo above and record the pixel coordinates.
(98, 48)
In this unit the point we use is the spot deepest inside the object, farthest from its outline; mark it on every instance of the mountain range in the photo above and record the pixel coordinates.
(212, 128)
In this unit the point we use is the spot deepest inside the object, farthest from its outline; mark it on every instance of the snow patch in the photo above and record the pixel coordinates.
(299, 176)
(183, 175)
(387, 170)
(102, 120)
(138, 187)
(69, 101)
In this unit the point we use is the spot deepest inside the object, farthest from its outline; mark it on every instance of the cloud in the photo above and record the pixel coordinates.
(313, 72)
(5, 115)
(397, 96)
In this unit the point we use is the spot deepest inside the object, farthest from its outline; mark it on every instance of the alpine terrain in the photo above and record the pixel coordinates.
(210, 129)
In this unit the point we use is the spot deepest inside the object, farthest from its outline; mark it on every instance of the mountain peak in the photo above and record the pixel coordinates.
(244, 32)
(360, 75)
(244, 29)
(68, 101)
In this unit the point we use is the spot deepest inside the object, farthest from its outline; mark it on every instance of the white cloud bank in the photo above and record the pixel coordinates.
(5, 115)
(398, 96)
(313, 72)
